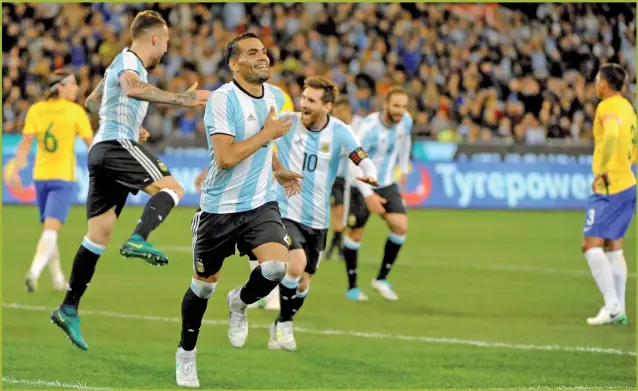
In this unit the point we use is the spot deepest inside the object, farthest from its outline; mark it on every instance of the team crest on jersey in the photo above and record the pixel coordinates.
(162, 166)
(400, 136)
(199, 266)
(324, 147)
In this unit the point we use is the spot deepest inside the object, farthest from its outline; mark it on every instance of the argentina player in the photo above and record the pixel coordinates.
(238, 206)
(315, 146)
(386, 135)
(119, 165)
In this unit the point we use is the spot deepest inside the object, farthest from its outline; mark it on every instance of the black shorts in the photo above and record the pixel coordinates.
(311, 240)
(338, 189)
(359, 214)
(216, 235)
(117, 168)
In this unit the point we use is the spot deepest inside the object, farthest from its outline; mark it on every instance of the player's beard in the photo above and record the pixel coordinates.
(153, 63)
(257, 77)
(392, 118)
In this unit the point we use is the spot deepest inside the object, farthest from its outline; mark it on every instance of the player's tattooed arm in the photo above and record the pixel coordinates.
(94, 100)
(134, 88)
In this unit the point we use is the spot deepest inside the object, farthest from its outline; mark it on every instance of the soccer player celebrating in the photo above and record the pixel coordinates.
(315, 146)
(613, 203)
(54, 123)
(238, 206)
(343, 111)
(386, 137)
(119, 165)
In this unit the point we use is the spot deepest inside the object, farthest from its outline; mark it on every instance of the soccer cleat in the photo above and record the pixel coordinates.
(66, 318)
(137, 247)
(606, 316)
(285, 337)
(238, 319)
(383, 287)
(355, 294)
(272, 342)
(30, 283)
(186, 368)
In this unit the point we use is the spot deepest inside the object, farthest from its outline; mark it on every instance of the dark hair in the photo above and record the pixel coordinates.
(56, 78)
(395, 90)
(232, 49)
(330, 90)
(342, 100)
(615, 75)
(146, 20)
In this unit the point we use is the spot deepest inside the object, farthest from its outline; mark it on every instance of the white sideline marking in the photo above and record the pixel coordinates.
(479, 266)
(54, 383)
(452, 341)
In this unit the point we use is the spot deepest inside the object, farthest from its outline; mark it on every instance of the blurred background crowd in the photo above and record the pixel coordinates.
(519, 73)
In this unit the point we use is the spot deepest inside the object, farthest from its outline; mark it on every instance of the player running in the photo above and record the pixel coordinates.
(343, 111)
(613, 203)
(54, 123)
(238, 206)
(386, 136)
(119, 165)
(315, 146)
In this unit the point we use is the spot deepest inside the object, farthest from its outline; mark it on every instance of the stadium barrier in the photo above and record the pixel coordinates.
(443, 184)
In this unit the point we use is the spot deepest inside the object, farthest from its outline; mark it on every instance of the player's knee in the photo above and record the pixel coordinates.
(304, 284)
(400, 230)
(355, 235)
(589, 243)
(203, 289)
(273, 270)
(351, 243)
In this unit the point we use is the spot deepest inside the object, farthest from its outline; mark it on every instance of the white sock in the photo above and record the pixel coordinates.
(46, 245)
(601, 270)
(619, 271)
(253, 264)
(55, 268)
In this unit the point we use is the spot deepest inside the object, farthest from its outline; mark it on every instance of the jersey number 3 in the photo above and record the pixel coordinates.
(49, 142)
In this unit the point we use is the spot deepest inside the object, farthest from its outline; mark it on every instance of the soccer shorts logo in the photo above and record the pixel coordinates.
(352, 220)
(288, 240)
(162, 166)
(358, 155)
(199, 266)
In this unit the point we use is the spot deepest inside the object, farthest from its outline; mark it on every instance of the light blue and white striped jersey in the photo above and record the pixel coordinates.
(249, 184)
(343, 166)
(316, 155)
(387, 146)
(121, 117)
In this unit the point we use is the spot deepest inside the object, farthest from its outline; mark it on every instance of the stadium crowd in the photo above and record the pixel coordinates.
(475, 73)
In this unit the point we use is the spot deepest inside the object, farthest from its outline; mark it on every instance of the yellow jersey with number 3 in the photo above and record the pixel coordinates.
(619, 166)
(55, 124)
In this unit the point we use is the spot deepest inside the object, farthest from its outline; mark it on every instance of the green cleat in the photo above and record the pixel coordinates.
(621, 319)
(137, 247)
(66, 318)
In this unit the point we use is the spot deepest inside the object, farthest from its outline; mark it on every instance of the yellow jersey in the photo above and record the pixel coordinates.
(288, 105)
(55, 124)
(619, 166)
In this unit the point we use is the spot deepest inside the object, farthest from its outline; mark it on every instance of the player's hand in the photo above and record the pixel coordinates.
(199, 97)
(600, 177)
(144, 134)
(369, 180)
(375, 203)
(290, 181)
(200, 179)
(16, 181)
(276, 127)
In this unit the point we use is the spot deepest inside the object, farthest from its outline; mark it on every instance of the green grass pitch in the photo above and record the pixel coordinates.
(487, 300)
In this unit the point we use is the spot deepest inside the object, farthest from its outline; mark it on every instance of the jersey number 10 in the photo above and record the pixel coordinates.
(309, 162)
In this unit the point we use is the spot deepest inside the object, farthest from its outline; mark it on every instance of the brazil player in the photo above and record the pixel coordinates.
(343, 111)
(315, 146)
(54, 123)
(386, 135)
(237, 206)
(613, 203)
(119, 165)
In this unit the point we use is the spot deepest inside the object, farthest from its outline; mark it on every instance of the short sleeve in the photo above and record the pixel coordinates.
(30, 122)
(349, 140)
(84, 129)
(128, 62)
(219, 117)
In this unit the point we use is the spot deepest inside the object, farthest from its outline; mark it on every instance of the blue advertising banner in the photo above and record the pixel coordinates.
(457, 185)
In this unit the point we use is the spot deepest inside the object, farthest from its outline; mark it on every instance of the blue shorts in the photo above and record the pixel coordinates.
(608, 216)
(54, 198)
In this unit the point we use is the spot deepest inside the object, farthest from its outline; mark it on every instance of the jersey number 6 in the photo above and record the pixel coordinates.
(49, 142)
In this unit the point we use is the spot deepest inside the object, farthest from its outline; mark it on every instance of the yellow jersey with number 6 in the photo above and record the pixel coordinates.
(619, 166)
(55, 124)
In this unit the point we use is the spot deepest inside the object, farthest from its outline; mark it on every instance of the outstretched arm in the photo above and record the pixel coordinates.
(134, 88)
